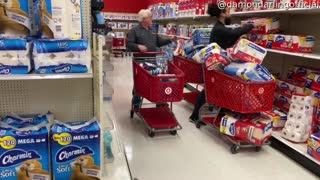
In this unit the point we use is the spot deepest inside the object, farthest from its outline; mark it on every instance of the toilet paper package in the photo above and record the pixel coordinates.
(301, 73)
(201, 36)
(15, 18)
(288, 88)
(293, 43)
(272, 25)
(24, 152)
(314, 146)
(282, 102)
(249, 72)
(14, 56)
(279, 118)
(316, 95)
(263, 40)
(313, 81)
(61, 56)
(75, 150)
(60, 19)
(207, 51)
(29, 120)
(188, 46)
(247, 51)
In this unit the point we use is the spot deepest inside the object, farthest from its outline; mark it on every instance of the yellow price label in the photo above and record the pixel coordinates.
(63, 139)
(8, 142)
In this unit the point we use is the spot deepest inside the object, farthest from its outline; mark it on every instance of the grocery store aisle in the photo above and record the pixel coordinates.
(193, 153)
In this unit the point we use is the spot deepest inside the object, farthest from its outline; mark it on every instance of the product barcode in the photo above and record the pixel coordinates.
(58, 28)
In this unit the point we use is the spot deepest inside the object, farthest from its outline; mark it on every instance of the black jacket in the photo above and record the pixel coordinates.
(140, 36)
(227, 37)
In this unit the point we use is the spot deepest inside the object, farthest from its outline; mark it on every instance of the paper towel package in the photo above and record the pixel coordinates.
(279, 118)
(245, 50)
(216, 62)
(75, 150)
(60, 19)
(293, 43)
(14, 56)
(24, 152)
(314, 146)
(272, 25)
(288, 88)
(315, 94)
(228, 124)
(15, 18)
(61, 56)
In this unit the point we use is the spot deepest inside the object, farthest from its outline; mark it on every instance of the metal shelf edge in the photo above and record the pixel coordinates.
(46, 76)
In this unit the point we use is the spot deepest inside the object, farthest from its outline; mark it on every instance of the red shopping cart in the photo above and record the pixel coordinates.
(119, 46)
(193, 74)
(236, 95)
(162, 88)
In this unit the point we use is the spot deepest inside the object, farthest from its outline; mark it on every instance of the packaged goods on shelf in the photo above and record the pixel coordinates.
(171, 10)
(22, 121)
(123, 25)
(15, 18)
(282, 102)
(300, 73)
(313, 81)
(289, 88)
(14, 56)
(171, 29)
(179, 49)
(249, 72)
(316, 95)
(245, 50)
(201, 36)
(182, 30)
(272, 25)
(24, 151)
(119, 35)
(113, 25)
(61, 56)
(251, 128)
(161, 10)
(132, 25)
(314, 146)
(264, 40)
(60, 19)
(300, 119)
(279, 118)
(293, 43)
(75, 150)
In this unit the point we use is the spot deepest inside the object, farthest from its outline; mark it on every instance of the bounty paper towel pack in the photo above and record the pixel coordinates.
(24, 152)
(249, 72)
(15, 18)
(61, 56)
(14, 56)
(75, 150)
(300, 119)
(60, 19)
(245, 50)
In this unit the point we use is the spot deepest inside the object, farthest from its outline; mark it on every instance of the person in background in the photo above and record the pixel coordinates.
(108, 28)
(225, 38)
(142, 39)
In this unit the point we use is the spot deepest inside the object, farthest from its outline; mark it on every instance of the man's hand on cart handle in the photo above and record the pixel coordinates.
(143, 48)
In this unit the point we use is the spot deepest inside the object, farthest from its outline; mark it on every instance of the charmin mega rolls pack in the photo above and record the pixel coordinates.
(245, 50)
(15, 18)
(75, 150)
(24, 148)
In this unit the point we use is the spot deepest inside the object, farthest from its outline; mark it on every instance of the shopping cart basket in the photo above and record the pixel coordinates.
(193, 74)
(236, 95)
(166, 88)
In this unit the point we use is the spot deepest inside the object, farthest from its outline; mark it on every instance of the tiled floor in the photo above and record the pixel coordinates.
(193, 154)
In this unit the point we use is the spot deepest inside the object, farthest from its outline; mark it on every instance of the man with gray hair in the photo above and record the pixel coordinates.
(141, 38)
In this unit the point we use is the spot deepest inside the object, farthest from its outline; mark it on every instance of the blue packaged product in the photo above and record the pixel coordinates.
(22, 121)
(201, 36)
(75, 150)
(24, 153)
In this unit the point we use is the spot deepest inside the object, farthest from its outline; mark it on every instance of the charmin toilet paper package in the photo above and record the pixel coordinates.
(24, 152)
(227, 125)
(75, 150)
(201, 36)
(14, 56)
(22, 121)
(60, 19)
(282, 102)
(293, 43)
(207, 51)
(288, 88)
(300, 121)
(279, 118)
(313, 81)
(249, 72)
(15, 18)
(263, 40)
(61, 56)
(316, 95)
(301, 73)
(245, 50)
(314, 146)
(272, 25)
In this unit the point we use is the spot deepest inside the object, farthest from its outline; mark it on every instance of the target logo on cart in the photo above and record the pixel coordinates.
(212, 79)
(261, 90)
(168, 90)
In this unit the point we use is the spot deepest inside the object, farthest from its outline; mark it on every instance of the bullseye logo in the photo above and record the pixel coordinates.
(212, 79)
(168, 90)
(261, 90)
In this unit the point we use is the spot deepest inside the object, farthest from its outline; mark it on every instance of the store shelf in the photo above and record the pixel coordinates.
(300, 148)
(180, 37)
(315, 56)
(46, 76)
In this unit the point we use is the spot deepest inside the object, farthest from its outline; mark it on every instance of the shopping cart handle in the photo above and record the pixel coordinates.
(148, 53)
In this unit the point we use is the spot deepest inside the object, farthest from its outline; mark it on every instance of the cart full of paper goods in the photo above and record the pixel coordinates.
(236, 92)
(160, 82)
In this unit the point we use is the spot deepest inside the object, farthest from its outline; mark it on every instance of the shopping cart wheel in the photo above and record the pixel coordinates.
(131, 114)
(258, 148)
(198, 125)
(235, 149)
(173, 133)
(151, 134)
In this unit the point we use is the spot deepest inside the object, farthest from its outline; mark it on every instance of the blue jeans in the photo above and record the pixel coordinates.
(136, 100)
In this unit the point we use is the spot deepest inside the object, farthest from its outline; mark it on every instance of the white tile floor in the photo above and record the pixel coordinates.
(193, 154)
